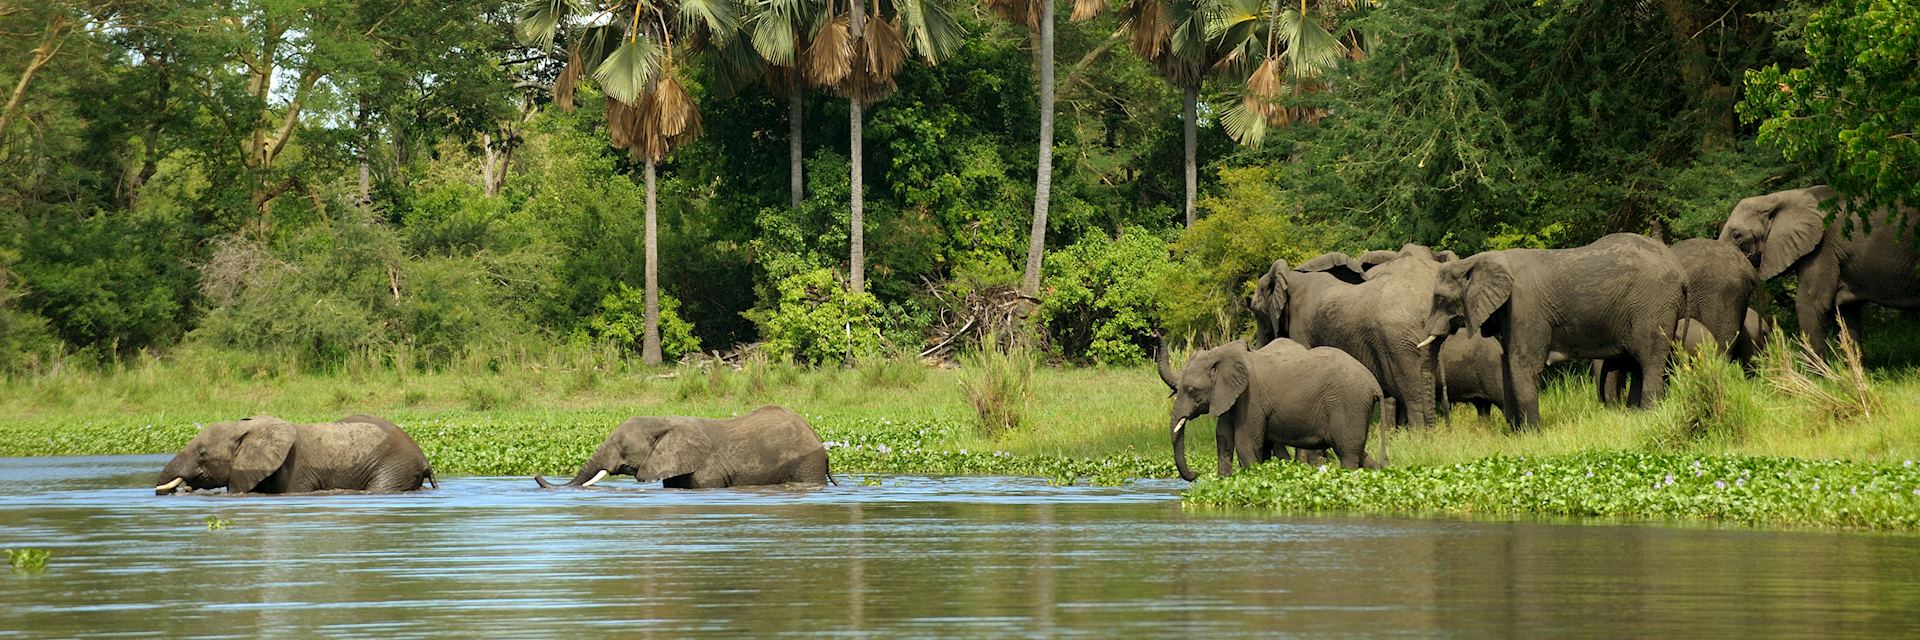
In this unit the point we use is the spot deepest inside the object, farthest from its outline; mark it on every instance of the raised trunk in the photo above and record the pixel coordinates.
(1043, 178)
(1188, 122)
(796, 109)
(1166, 368)
(650, 343)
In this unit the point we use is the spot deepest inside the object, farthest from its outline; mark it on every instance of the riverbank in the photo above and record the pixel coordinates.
(1082, 425)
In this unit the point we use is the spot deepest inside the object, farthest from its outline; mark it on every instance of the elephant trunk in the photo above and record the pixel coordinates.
(595, 470)
(1440, 377)
(1180, 450)
(1166, 368)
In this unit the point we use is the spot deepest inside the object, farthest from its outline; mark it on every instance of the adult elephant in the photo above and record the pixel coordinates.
(1620, 296)
(264, 454)
(772, 445)
(1864, 257)
(1719, 283)
(1283, 395)
(1377, 319)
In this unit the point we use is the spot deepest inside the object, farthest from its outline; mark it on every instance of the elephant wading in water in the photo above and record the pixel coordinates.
(264, 454)
(1283, 395)
(769, 446)
(1620, 296)
(1842, 266)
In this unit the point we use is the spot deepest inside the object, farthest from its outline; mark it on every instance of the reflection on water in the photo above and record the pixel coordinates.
(916, 557)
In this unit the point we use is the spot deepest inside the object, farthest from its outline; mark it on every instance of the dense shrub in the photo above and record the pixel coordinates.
(623, 321)
(818, 321)
(1100, 300)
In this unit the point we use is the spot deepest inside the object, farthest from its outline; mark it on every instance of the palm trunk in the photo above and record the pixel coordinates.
(857, 278)
(1043, 178)
(796, 109)
(650, 344)
(1189, 117)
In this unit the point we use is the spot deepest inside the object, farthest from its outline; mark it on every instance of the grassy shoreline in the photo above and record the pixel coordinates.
(1100, 425)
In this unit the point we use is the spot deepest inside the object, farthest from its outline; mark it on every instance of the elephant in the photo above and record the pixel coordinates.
(1719, 283)
(1284, 395)
(1612, 377)
(264, 454)
(1622, 295)
(772, 445)
(1754, 332)
(1377, 318)
(1367, 261)
(1841, 267)
(1471, 372)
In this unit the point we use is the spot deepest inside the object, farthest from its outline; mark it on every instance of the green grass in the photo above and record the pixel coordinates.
(524, 415)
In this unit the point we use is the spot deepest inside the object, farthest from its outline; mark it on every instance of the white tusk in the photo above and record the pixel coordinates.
(169, 486)
(596, 478)
(1179, 426)
(1423, 343)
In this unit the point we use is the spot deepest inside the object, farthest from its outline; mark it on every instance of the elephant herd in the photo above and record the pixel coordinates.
(1409, 332)
(265, 454)
(1422, 330)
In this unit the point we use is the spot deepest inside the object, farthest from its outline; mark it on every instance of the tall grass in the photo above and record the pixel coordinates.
(1709, 398)
(999, 386)
(1837, 390)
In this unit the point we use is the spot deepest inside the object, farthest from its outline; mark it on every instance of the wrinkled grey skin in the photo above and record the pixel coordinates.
(1620, 296)
(1613, 377)
(1754, 331)
(1720, 281)
(1840, 266)
(772, 445)
(264, 454)
(1367, 261)
(1376, 317)
(1473, 372)
(1283, 395)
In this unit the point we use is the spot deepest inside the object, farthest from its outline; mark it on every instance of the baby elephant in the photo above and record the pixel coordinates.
(769, 446)
(264, 454)
(1282, 395)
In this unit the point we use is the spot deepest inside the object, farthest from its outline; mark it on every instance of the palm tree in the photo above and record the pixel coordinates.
(860, 55)
(1297, 42)
(637, 53)
(780, 31)
(1172, 36)
(1037, 15)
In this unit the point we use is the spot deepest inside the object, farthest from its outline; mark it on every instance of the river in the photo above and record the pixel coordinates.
(913, 556)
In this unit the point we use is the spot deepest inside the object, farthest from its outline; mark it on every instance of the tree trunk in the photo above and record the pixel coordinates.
(1188, 122)
(650, 343)
(49, 45)
(857, 272)
(796, 109)
(1043, 178)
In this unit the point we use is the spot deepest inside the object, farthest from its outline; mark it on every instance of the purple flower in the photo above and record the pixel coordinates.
(1669, 479)
(1719, 484)
(1740, 483)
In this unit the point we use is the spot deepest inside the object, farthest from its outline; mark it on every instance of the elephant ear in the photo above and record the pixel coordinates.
(1489, 285)
(1336, 264)
(1794, 229)
(1229, 381)
(263, 448)
(678, 450)
(1271, 292)
(1375, 258)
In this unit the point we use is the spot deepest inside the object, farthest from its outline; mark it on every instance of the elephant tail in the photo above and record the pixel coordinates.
(430, 481)
(829, 471)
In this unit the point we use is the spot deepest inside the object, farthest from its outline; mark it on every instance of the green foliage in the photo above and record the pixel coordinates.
(28, 560)
(1637, 486)
(623, 320)
(1100, 297)
(1850, 112)
(818, 321)
(1250, 223)
(217, 523)
(1709, 398)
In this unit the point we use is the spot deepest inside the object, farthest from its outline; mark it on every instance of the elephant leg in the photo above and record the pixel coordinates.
(1484, 408)
(1350, 443)
(1850, 317)
(1523, 388)
(1652, 383)
(1814, 305)
(1223, 447)
(1247, 440)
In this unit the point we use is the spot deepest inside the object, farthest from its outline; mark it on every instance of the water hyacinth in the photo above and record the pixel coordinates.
(1637, 486)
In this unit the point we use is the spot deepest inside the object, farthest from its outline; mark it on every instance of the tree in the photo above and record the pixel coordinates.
(780, 32)
(1854, 111)
(1172, 36)
(638, 59)
(1296, 42)
(861, 57)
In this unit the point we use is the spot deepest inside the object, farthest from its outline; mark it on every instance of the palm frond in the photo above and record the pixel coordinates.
(885, 49)
(1311, 50)
(829, 57)
(776, 28)
(931, 29)
(1025, 13)
(1087, 9)
(563, 86)
(625, 73)
(719, 18)
(1245, 123)
(540, 21)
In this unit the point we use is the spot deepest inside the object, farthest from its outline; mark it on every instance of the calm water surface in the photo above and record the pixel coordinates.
(914, 557)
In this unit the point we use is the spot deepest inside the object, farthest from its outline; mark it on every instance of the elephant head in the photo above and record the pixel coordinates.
(1212, 383)
(236, 455)
(1269, 304)
(1778, 229)
(648, 448)
(1469, 293)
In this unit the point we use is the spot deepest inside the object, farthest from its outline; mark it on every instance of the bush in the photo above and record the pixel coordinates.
(818, 321)
(623, 321)
(1100, 303)
(1709, 398)
(1837, 390)
(999, 386)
